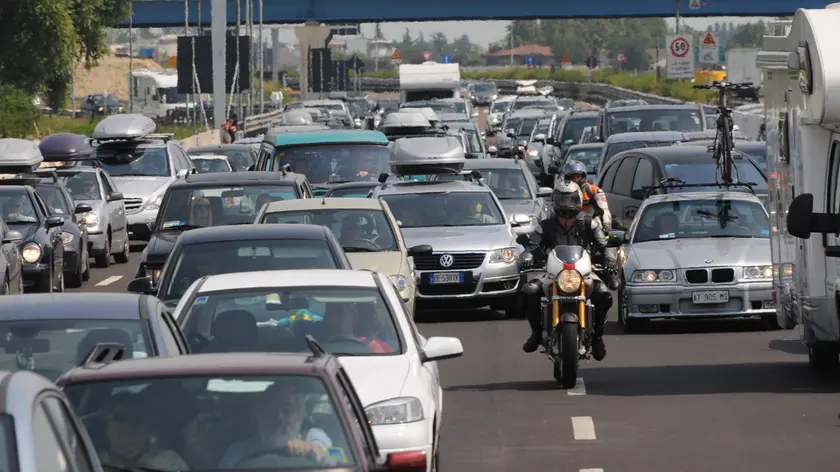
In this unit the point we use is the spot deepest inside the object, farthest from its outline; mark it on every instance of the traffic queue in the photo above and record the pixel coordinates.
(271, 322)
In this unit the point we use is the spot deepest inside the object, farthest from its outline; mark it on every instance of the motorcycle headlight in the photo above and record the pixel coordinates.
(67, 238)
(758, 272)
(395, 411)
(154, 204)
(506, 255)
(653, 276)
(91, 219)
(31, 253)
(398, 281)
(569, 280)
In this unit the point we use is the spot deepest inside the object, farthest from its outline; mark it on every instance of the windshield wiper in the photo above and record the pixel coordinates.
(360, 249)
(343, 354)
(181, 228)
(131, 468)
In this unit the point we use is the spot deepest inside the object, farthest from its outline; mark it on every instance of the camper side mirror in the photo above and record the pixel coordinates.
(143, 286)
(802, 221)
(115, 197)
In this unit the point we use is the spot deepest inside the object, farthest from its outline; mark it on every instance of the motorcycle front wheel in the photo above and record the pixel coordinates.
(568, 355)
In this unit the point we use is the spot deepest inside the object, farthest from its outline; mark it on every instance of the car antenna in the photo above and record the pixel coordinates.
(313, 346)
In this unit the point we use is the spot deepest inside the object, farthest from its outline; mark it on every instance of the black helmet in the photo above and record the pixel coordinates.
(574, 167)
(566, 199)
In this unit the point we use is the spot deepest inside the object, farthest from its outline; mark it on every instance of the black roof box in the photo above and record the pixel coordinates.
(427, 155)
(18, 155)
(65, 147)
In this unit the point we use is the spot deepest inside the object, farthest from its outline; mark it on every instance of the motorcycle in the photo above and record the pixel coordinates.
(567, 310)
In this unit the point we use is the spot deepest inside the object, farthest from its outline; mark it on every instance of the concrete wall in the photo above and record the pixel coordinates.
(202, 139)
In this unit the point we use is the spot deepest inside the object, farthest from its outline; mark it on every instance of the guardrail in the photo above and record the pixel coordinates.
(258, 124)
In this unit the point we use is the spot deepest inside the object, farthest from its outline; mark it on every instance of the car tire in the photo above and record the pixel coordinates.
(104, 261)
(770, 323)
(122, 256)
(60, 285)
(86, 262)
(7, 289)
(823, 358)
(77, 277)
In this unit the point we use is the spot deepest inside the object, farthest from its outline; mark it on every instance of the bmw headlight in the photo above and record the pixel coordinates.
(569, 280)
(67, 238)
(91, 219)
(395, 411)
(653, 276)
(506, 255)
(758, 272)
(154, 203)
(398, 281)
(31, 253)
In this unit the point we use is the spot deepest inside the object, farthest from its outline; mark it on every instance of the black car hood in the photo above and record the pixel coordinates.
(27, 230)
(160, 245)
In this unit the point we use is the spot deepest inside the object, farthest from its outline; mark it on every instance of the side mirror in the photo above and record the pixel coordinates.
(544, 191)
(617, 238)
(802, 221)
(568, 142)
(182, 173)
(549, 140)
(54, 221)
(539, 138)
(492, 150)
(440, 348)
(524, 239)
(143, 286)
(115, 197)
(12, 237)
(520, 219)
(83, 208)
(420, 250)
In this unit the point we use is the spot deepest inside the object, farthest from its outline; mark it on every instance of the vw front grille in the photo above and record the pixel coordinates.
(460, 261)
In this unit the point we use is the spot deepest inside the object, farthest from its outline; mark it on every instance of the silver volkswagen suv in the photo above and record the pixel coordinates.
(475, 258)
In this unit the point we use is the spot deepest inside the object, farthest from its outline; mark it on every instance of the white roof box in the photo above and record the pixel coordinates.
(130, 126)
(430, 115)
(405, 119)
(18, 155)
(427, 155)
(296, 117)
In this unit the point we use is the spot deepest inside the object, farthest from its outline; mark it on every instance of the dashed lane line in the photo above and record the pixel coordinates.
(579, 388)
(584, 428)
(109, 280)
(591, 470)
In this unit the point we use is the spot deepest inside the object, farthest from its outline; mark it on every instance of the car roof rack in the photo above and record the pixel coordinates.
(314, 347)
(676, 182)
(128, 127)
(104, 353)
(41, 174)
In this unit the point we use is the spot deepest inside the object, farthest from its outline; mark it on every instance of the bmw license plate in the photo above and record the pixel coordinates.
(446, 278)
(710, 297)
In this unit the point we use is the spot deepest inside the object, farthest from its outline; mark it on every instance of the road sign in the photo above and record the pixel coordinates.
(592, 62)
(566, 59)
(427, 56)
(695, 4)
(709, 49)
(621, 57)
(446, 59)
(679, 59)
(355, 64)
(531, 60)
(396, 56)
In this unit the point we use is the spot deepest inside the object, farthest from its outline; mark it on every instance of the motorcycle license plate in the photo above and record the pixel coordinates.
(710, 297)
(446, 278)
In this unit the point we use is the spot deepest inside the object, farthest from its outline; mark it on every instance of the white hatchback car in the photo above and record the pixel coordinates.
(356, 315)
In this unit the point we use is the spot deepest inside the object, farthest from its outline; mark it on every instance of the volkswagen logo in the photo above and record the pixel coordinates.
(446, 260)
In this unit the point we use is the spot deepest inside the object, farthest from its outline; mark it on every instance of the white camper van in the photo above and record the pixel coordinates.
(155, 94)
(802, 112)
(429, 80)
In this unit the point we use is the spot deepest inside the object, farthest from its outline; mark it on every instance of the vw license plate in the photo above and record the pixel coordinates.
(710, 297)
(446, 278)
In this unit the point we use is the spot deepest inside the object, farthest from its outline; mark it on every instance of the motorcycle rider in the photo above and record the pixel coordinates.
(595, 205)
(569, 226)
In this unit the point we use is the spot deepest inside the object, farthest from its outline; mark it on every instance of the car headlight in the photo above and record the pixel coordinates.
(569, 280)
(653, 276)
(395, 411)
(494, 97)
(67, 238)
(398, 281)
(154, 204)
(758, 272)
(507, 255)
(533, 153)
(91, 219)
(31, 253)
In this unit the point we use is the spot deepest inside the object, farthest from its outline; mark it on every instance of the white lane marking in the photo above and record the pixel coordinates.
(583, 427)
(591, 470)
(109, 280)
(579, 388)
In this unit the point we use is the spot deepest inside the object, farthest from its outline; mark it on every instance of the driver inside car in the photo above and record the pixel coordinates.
(282, 431)
(464, 211)
(352, 234)
(342, 321)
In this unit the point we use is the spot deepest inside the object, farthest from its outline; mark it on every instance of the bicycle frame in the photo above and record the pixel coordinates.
(724, 141)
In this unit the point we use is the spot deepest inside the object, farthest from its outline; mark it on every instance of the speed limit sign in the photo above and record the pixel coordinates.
(680, 47)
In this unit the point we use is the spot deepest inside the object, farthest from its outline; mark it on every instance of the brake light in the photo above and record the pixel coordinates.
(409, 460)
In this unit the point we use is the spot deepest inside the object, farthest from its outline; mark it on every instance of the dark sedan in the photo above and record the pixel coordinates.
(222, 250)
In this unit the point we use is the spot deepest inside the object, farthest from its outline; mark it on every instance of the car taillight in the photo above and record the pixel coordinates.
(407, 461)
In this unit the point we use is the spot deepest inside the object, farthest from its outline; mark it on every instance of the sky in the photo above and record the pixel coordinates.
(484, 32)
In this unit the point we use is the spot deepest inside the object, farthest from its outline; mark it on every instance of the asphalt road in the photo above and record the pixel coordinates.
(698, 397)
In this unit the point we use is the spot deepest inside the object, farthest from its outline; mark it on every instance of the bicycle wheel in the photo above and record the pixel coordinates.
(726, 151)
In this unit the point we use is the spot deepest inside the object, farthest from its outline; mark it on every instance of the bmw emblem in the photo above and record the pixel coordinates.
(446, 260)
(708, 261)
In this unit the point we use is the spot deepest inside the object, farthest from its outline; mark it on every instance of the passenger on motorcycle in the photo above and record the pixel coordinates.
(595, 205)
(569, 226)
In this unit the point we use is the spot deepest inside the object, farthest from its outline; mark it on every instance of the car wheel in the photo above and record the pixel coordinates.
(6, 287)
(104, 260)
(77, 277)
(823, 358)
(86, 259)
(629, 325)
(122, 256)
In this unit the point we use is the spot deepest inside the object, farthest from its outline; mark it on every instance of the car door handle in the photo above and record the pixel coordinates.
(630, 212)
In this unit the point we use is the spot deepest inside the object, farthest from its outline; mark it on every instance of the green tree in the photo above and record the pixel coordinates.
(18, 114)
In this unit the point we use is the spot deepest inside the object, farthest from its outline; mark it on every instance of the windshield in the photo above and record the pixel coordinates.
(240, 160)
(483, 88)
(54, 200)
(574, 129)
(350, 192)
(647, 119)
(198, 260)
(500, 107)
(473, 141)
(527, 126)
(512, 124)
(705, 218)
(105, 100)
(350, 321)
(171, 95)
(694, 172)
(569, 254)
(616, 148)
(507, 184)
(459, 106)
(81, 185)
(760, 156)
(324, 163)
(50, 347)
(17, 206)
(210, 166)
(217, 206)
(423, 210)
(589, 157)
(133, 161)
(356, 230)
(205, 423)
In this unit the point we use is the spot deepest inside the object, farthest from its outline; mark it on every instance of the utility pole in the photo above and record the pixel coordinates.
(218, 27)
(511, 43)
(677, 28)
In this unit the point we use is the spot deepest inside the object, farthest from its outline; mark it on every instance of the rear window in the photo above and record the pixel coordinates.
(699, 172)
(655, 119)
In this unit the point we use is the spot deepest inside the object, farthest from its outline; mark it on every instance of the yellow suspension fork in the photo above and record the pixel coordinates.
(582, 306)
(555, 304)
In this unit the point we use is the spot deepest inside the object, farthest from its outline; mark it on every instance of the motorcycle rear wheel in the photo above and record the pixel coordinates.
(569, 354)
